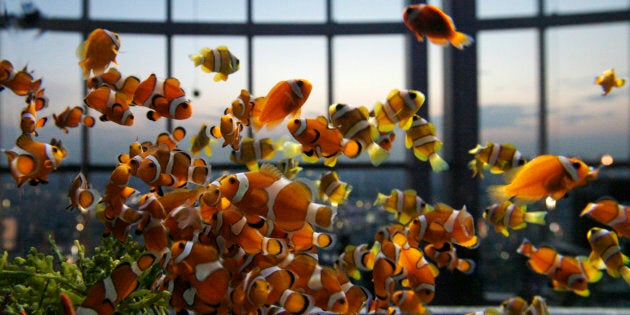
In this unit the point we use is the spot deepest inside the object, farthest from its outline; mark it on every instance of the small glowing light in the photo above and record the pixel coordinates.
(370, 218)
(550, 202)
(504, 255)
(359, 203)
(554, 227)
(74, 250)
(607, 159)
(80, 227)
(6, 203)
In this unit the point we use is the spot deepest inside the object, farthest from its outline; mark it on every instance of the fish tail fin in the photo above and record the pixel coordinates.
(438, 164)
(273, 246)
(467, 266)
(477, 168)
(620, 82)
(323, 240)
(89, 121)
(220, 77)
(625, 273)
(593, 273)
(536, 217)
(197, 59)
(377, 154)
(296, 302)
(526, 248)
(290, 149)
(321, 215)
(351, 148)
(498, 193)
(380, 199)
(459, 40)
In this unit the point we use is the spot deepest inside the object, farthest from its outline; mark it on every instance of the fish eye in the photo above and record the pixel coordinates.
(412, 95)
(182, 245)
(521, 162)
(232, 180)
(300, 83)
(340, 106)
(409, 10)
(576, 165)
(151, 165)
(54, 150)
(217, 191)
(214, 216)
(184, 105)
(296, 121)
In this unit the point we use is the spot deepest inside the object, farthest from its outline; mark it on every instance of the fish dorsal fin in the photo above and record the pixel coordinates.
(322, 119)
(365, 113)
(271, 170)
(24, 140)
(393, 93)
(172, 89)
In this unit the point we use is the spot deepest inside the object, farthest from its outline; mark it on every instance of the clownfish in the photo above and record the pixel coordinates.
(219, 60)
(113, 106)
(330, 188)
(543, 176)
(514, 305)
(98, 51)
(183, 223)
(284, 99)
(610, 213)
(400, 107)
(211, 201)
(357, 258)
(37, 98)
(72, 117)
(408, 302)
(538, 306)
(250, 293)
(242, 107)
(387, 271)
(421, 136)
(251, 151)
(446, 257)
(516, 217)
(445, 224)
(164, 98)
(29, 122)
(20, 82)
(406, 205)
(498, 158)
(117, 191)
(306, 239)
(319, 140)
(605, 251)
(114, 80)
(386, 139)
(428, 20)
(171, 139)
(266, 193)
(81, 196)
(420, 274)
(201, 141)
(32, 161)
(353, 122)
(566, 272)
(230, 130)
(289, 167)
(119, 225)
(608, 80)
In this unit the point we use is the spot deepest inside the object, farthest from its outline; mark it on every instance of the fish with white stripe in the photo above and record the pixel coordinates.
(421, 136)
(219, 60)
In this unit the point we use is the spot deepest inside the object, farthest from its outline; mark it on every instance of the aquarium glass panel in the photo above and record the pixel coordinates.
(498, 9)
(349, 11)
(140, 10)
(279, 11)
(209, 11)
(47, 9)
(584, 6)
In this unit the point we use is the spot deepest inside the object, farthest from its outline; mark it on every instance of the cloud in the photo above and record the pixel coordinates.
(505, 115)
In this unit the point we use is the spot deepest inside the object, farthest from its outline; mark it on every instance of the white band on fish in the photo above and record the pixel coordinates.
(217, 60)
(158, 169)
(568, 167)
(243, 187)
(184, 254)
(494, 155)
(114, 39)
(400, 201)
(50, 155)
(356, 128)
(172, 107)
(424, 140)
(295, 88)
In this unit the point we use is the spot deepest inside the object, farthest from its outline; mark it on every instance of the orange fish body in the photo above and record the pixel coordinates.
(499, 158)
(38, 98)
(170, 168)
(400, 107)
(386, 270)
(98, 51)
(446, 257)
(428, 20)
(306, 239)
(421, 136)
(406, 205)
(266, 193)
(444, 224)
(420, 274)
(545, 175)
(219, 60)
(611, 213)
(20, 82)
(119, 225)
(357, 258)
(71, 118)
(605, 251)
(251, 151)
(164, 98)
(29, 122)
(608, 80)
(508, 215)
(183, 223)
(117, 191)
(114, 106)
(408, 302)
(115, 81)
(250, 293)
(386, 139)
(242, 107)
(32, 161)
(284, 99)
(81, 196)
(332, 189)
(104, 296)
(319, 140)
(230, 130)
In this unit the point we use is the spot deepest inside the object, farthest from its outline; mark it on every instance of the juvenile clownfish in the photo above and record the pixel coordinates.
(120, 225)
(608, 80)
(319, 140)
(201, 141)
(289, 167)
(114, 80)
(400, 107)
(171, 139)
(72, 117)
(428, 20)
(81, 196)
(183, 223)
(284, 99)
(306, 239)
(406, 205)
(445, 224)
(242, 107)
(29, 122)
(516, 217)
(20, 82)
(605, 252)
(98, 51)
(446, 257)
(250, 293)
(421, 136)
(355, 259)
(408, 302)
(543, 176)
(332, 189)
(37, 98)
(230, 130)
(387, 271)
(251, 151)
(219, 60)
(117, 191)
(163, 98)
(610, 213)
(566, 272)
(32, 161)
(420, 274)
(498, 158)
(386, 139)
(113, 106)
(354, 123)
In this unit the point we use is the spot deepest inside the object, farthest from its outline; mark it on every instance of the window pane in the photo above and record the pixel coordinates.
(53, 9)
(140, 56)
(364, 73)
(581, 120)
(209, 11)
(370, 10)
(499, 8)
(213, 97)
(137, 10)
(313, 11)
(584, 6)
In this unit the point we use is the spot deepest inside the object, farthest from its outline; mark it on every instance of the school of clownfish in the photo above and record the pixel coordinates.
(247, 242)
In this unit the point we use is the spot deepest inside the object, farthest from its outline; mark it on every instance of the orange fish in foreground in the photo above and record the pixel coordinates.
(81, 196)
(609, 212)
(29, 122)
(430, 21)
(284, 99)
(164, 98)
(114, 106)
(72, 117)
(20, 82)
(32, 160)
(98, 51)
(115, 81)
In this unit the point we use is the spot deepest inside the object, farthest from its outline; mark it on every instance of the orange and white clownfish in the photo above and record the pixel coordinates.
(387, 271)
(608, 80)
(37, 98)
(183, 223)
(81, 196)
(609, 212)
(230, 130)
(408, 302)
(330, 188)
(164, 98)
(354, 123)
(430, 21)
(20, 82)
(117, 191)
(420, 274)
(445, 224)
(104, 296)
(514, 305)
(399, 107)
(72, 117)
(114, 80)
(446, 257)
(499, 158)
(98, 51)
(201, 141)
(566, 272)
(289, 167)
(171, 139)
(219, 60)
(242, 107)
(306, 238)
(421, 136)
(357, 258)
(211, 201)
(29, 122)
(386, 139)
(251, 151)
(357, 295)
(544, 176)
(250, 293)
(538, 306)
(284, 99)
(605, 252)
(319, 140)
(508, 215)
(32, 161)
(406, 204)
(113, 106)
(266, 193)
(119, 225)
